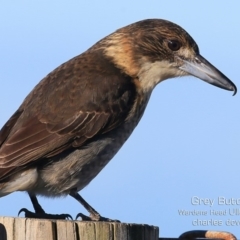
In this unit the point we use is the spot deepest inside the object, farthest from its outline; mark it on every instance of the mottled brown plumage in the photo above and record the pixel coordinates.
(77, 118)
(65, 110)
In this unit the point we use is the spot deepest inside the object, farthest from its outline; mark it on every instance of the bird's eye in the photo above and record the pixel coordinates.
(174, 45)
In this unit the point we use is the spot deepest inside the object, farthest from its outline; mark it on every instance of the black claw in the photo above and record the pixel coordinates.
(29, 214)
(67, 216)
(84, 217)
(97, 218)
(43, 215)
(103, 219)
(22, 210)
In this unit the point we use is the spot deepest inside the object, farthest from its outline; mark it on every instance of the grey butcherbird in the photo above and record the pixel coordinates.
(78, 117)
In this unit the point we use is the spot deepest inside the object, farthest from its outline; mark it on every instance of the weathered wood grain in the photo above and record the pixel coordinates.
(39, 229)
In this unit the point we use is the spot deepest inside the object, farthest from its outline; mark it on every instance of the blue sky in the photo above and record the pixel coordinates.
(187, 143)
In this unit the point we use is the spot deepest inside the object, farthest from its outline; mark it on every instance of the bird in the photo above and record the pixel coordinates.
(77, 118)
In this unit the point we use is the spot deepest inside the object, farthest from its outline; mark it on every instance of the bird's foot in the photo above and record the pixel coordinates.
(95, 217)
(43, 215)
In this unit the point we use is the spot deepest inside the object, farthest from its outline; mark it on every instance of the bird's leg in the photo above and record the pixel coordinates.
(37, 207)
(94, 215)
(39, 212)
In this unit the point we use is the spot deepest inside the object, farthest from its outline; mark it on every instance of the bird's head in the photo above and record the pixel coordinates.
(154, 50)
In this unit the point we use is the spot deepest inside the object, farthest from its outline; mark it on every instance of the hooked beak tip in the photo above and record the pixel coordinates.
(234, 89)
(201, 68)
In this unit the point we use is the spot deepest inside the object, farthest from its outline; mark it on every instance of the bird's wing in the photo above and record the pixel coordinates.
(36, 139)
(66, 109)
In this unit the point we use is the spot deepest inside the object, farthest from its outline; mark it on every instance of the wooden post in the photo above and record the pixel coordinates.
(41, 229)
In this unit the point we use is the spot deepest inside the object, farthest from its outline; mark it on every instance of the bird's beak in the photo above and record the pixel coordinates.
(201, 68)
